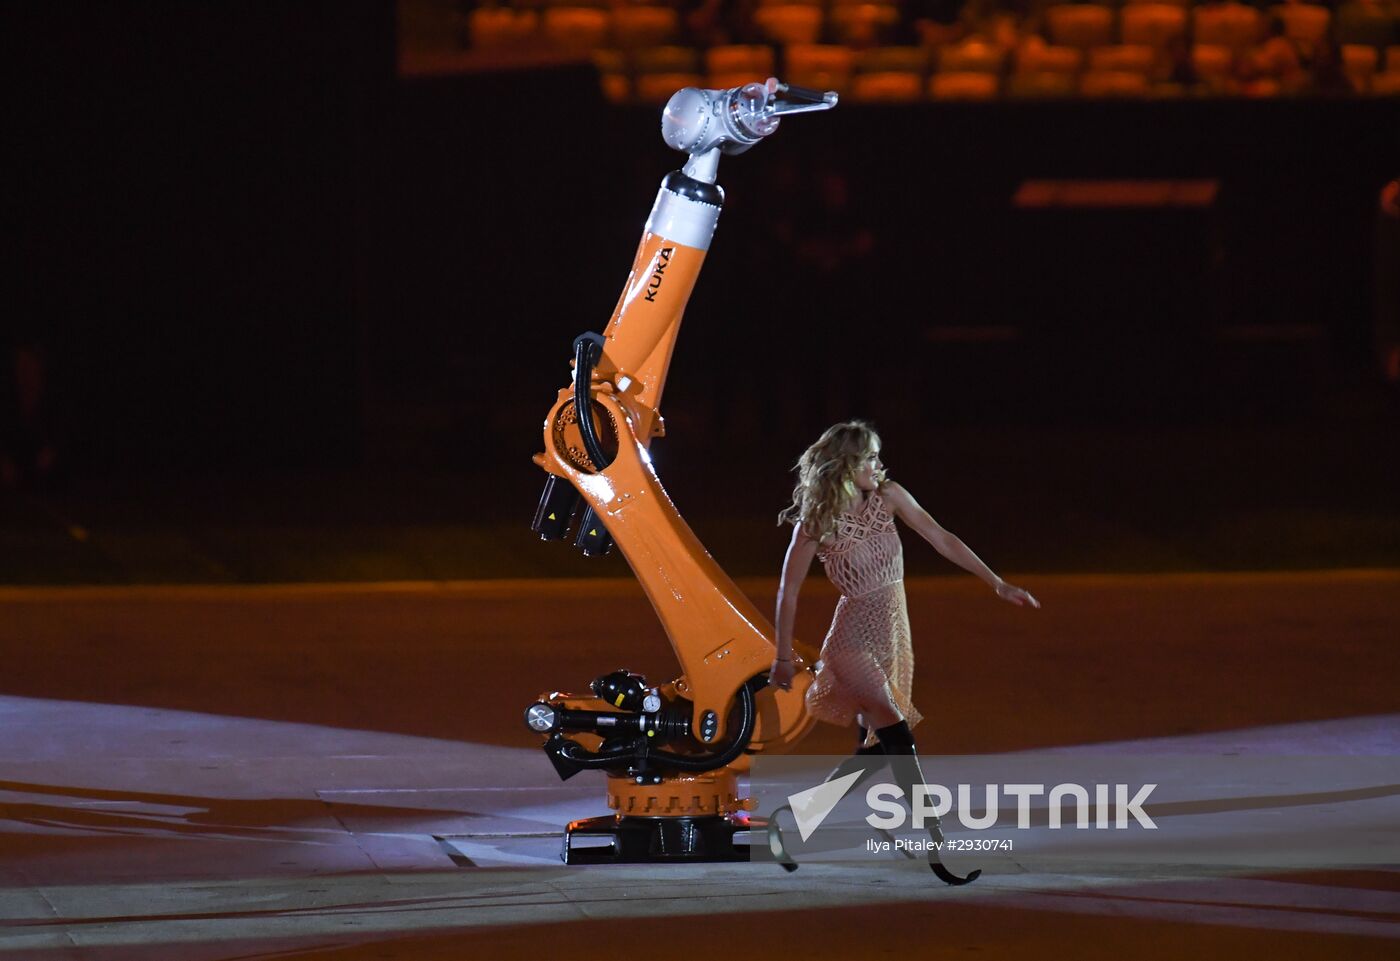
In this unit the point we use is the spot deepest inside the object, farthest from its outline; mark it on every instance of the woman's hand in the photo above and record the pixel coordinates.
(781, 673)
(1016, 595)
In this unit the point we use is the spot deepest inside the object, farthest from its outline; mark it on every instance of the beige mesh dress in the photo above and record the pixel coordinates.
(867, 657)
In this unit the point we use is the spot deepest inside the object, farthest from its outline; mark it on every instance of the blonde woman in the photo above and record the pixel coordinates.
(842, 513)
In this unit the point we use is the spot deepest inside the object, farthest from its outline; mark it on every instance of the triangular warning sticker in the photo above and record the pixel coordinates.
(593, 533)
(553, 518)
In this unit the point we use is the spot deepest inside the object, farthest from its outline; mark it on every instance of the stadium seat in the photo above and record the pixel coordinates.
(1229, 24)
(612, 75)
(1152, 24)
(1040, 58)
(493, 28)
(1306, 24)
(860, 24)
(575, 28)
(1081, 25)
(1113, 83)
(1214, 66)
(732, 66)
(972, 56)
(643, 26)
(819, 66)
(887, 86)
(962, 86)
(789, 23)
(1371, 24)
(892, 60)
(1124, 58)
(1041, 83)
(666, 59)
(658, 87)
(1359, 61)
(750, 57)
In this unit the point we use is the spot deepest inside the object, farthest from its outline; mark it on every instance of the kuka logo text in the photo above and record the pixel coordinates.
(656, 277)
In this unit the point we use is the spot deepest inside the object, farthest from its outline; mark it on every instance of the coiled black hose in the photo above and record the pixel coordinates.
(747, 719)
(588, 348)
(578, 754)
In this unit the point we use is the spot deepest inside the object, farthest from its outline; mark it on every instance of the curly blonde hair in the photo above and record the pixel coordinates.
(826, 477)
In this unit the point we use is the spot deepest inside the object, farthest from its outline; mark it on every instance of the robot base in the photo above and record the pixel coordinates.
(627, 839)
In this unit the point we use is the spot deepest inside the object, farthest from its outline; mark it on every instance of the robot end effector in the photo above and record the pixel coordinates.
(706, 123)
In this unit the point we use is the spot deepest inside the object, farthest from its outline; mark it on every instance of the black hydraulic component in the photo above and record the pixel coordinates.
(624, 839)
(569, 757)
(557, 506)
(622, 688)
(668, 725)
(593, 538)
(564, 767)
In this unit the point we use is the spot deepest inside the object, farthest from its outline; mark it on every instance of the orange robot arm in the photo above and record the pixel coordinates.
(717, 712)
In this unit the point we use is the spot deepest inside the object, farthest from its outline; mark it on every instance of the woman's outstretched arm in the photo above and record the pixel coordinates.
(907, 509)
(798, 561)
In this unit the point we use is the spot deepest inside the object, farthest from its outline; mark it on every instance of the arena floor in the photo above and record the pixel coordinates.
(342, 771)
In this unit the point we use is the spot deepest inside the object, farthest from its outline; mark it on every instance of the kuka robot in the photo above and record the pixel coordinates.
(672, 752)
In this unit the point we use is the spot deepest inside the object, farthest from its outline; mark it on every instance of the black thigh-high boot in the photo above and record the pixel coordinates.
(898, 742)
(865, 760)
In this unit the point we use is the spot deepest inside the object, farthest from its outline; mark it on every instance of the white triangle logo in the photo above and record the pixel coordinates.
(810, 807)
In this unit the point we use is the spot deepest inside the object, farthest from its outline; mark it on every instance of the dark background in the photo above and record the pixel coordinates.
(278, 288)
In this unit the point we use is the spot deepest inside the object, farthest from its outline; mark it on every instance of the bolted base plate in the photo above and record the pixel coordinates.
(622, 839)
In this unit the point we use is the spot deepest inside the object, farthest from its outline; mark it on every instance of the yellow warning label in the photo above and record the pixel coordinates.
(618, 702)
(552, 517)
